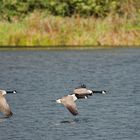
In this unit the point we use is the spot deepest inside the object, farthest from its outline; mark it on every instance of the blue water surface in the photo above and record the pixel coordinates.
(40, 77)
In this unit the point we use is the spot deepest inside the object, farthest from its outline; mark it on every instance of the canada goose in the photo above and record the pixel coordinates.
(69, 102)
(78, 93)
(83, 92)
(4, 106)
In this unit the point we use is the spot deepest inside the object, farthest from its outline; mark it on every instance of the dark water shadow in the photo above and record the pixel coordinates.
(75, 121)
(72, 121)
(2, 119)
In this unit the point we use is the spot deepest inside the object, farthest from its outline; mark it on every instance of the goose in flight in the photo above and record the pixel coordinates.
(4, 106)
(83, 92)
(78, 93)
(69, 102)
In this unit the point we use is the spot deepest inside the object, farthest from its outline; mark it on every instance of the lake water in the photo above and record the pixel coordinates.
(40, 77)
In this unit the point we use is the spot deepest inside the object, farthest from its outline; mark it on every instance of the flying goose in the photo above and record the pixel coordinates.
(78, 93)
(83, 92)
(69, 102)
(4, 106)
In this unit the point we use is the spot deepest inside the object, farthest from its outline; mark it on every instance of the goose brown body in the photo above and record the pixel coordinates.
(68, 102)
(4, 106)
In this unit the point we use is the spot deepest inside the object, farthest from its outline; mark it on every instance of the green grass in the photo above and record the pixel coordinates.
(37, 30)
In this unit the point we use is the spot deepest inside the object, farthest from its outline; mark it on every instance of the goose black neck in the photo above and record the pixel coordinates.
(10, 91)
(99, 91)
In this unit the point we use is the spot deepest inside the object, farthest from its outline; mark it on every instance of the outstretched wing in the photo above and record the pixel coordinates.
(70, 105)
(4, 106)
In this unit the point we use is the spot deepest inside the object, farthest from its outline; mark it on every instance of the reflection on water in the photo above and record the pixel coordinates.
(76, 120)
(41, 77)
(70, 121)
(2, 119)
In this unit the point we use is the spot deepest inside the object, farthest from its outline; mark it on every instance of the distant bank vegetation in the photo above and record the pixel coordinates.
(85, 8)
(69, 22)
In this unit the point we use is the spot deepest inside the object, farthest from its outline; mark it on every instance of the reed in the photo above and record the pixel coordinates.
(39, 30)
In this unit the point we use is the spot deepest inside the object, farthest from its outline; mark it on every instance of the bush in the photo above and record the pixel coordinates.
(82, 7)
(19, 8)
(97, 8)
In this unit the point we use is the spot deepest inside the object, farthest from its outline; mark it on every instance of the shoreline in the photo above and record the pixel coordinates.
(47, 48)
